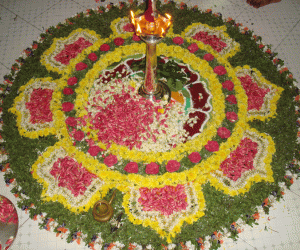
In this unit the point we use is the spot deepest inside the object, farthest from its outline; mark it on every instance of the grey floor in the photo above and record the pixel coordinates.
(21, 22)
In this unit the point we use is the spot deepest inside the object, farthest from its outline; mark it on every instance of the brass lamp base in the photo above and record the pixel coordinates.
(162, 92)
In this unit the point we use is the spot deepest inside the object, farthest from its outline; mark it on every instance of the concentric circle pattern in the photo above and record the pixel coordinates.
(75, 130)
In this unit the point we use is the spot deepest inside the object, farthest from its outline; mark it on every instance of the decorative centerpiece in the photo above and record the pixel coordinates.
(152, 27)
(185, 175)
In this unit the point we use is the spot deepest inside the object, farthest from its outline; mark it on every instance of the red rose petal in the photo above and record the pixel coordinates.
(72, 81)
(136, 38)
(231, 99)
(78, 135)
(71, 121)
(172, 166)
(132, 167)
(228, 85)
(178, 40)
(195, 157)
(68, 91)
(224, 132)
(152, 168)
(212, 146)
(93, 57)
(231, 116)
(220, 70)
(208, 57)
(94, 150)
(80, 66)
(193, 47)
(110, 160)
(104, 47)
(67, 106)
(119, 41)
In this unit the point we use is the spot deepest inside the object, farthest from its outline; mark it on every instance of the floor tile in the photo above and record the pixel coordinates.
(28, 9)
(92, 4)
(13, 29)
(15, 41)
(58, 14)
(3, 71)
(8, 20)
(33, 238)
(225, 7)
(285, 9)
(271, 28)
(289, 51)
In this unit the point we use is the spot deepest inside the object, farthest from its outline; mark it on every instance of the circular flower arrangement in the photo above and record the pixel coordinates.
(187, 174)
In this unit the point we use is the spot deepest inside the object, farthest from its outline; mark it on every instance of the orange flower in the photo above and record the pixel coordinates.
(283, 70)
(165, 247)
(131, 247)
(266, 201)
(256, 216)
(92, 245)
(184, 247)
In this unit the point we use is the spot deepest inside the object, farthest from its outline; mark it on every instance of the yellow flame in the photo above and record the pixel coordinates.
(132, 17)
(168, 16)
(138, 29)
(162, 31)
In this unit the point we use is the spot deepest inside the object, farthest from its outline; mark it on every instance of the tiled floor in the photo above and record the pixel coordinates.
(21, 21)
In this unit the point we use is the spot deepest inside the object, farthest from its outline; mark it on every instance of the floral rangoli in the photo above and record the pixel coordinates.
(90, 133)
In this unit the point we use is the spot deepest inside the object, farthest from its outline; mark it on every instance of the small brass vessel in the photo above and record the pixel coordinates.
(103, 210)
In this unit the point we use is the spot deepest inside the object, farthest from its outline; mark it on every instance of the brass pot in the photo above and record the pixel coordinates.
(103, 210)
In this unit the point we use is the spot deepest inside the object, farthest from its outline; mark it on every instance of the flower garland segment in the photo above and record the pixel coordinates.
(240, 160)
(72, 50)
(66, 179)
(72, 175)
(249, 163)
(33, 107)
(262, 94)
(216, 37)
(39, 106)
(159, 211)
(255, 94)
(65, 51)
(166, 200)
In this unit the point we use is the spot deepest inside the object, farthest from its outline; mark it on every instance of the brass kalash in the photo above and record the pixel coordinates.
(151, 26)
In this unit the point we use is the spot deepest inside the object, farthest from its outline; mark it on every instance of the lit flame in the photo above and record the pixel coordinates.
(162, 31)
(138, 29)
(132, 17)
(168, 16)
